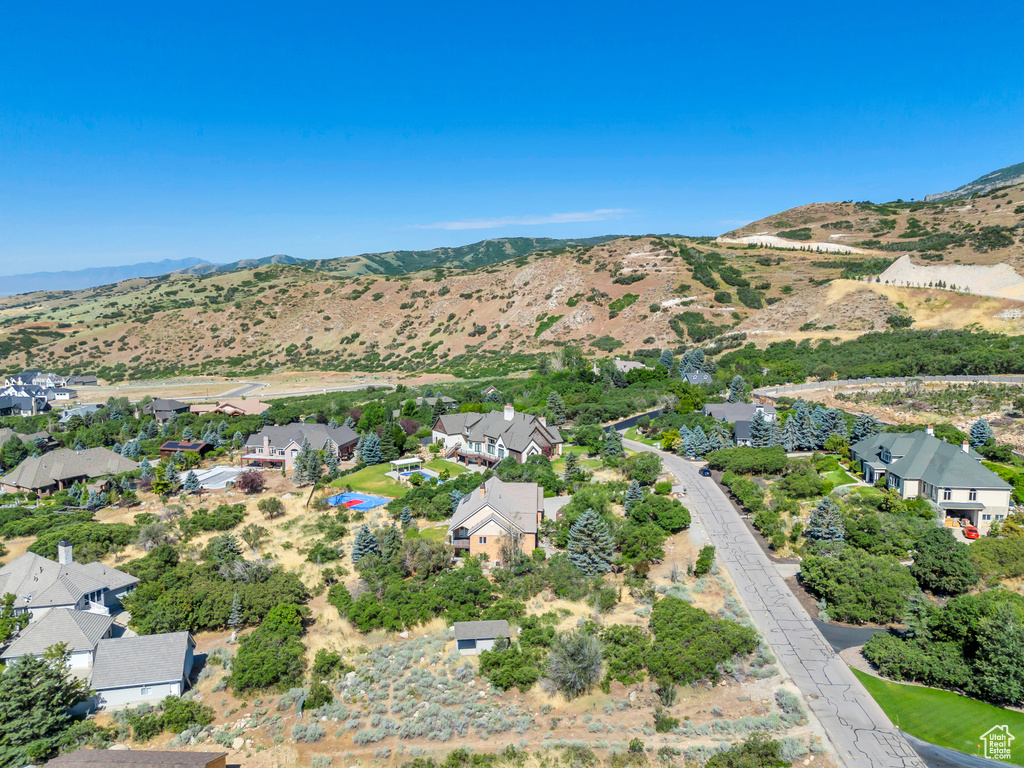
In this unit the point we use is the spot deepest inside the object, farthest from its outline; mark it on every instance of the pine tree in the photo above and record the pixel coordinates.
(736, 389)
(803, 427)
(697, 361)
(701, 443)
(864, 427)
(191, 483)
(591, 548)
(686, 364)
(406, 516)
(456, 497)
(116, 448)
(187, 435)
(981, 433)
(556, 407)
(634, 495)
(331, 460)
(146, 467)
(388, 449)
(572, 467)
(613, 445)
(760, 431)
(349, 422)
(619, 379)
(371, 450)
(666, 360)
(92, 500)
(333, 423)
(826, 523)
(437, 411)
(365, 544)
(390, 542)
(235, 618)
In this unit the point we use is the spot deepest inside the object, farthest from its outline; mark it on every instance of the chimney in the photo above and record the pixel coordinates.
(930, 430)
(965, 446)
(543, 420)
(266, 444)
(483, 492)
(510, 412)
(64, 552)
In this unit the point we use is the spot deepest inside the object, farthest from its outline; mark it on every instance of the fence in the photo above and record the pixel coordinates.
(632, 420)
(774, 392)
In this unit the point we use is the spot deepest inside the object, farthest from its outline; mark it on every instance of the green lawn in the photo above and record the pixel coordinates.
(838, 477)
(434, 534)
(372, 480)
(867, 490)
(632, 435)
(943, 718)
(558, 465)
(439, 465)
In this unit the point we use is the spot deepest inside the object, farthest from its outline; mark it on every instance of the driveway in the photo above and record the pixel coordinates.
(856, 725)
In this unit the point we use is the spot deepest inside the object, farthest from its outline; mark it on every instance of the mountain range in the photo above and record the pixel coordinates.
(73, 280)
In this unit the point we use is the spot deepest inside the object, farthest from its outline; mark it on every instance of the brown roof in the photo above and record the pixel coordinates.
(136, 757)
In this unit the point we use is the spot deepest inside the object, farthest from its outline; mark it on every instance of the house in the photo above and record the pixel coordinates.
(62, 468)
(82, 411)
(80, 631)
(472, 637)
(171, 447)
(47, 394)
(83, 380)
(487, 438)
(740, 415)
(162, 409)
(232, 407)
(494, 511)
(276, 446)
(16, 405)
(43, 439)
(951, 477)
(697, 378)
(40, 584)
(62, 394)
(138, 758)
(146, 668)
(490, 389)
(622, 366)
(37, 378)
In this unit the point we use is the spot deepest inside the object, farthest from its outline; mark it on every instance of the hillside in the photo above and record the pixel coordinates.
(73, 280)
(1011, 174)
(622, 295)
(986, 229)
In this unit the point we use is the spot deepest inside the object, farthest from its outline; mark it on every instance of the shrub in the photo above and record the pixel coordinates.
(663, 487)
(859, 587)
(574, 663)
(250, 481)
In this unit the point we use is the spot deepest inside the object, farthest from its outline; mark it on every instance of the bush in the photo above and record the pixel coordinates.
(859, 587)
(575, 663)
(644, 467)
(250, 481)
(749, 461)
(663, 487)
(511, 668)
(271, 507)
(272, 655)
(704, 561)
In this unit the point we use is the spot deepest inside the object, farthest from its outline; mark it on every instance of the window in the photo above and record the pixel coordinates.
(501, 453)
(986, 517)
(973, 494)
(482, 539)
(947, 494)
(144, 690)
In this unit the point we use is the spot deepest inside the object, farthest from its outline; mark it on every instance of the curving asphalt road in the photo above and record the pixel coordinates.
(858, 728)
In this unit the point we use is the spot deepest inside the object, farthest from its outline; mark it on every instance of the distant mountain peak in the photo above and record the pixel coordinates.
(1004, 177)
(80, 279)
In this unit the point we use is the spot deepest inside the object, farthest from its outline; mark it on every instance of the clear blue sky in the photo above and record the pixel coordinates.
(141, 131)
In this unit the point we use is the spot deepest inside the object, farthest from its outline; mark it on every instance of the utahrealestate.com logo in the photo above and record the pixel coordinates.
(997, 742)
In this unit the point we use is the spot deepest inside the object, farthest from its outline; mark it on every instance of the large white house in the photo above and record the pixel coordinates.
(951, 477)
(487, 438)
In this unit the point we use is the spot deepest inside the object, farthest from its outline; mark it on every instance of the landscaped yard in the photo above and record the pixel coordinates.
(439, 465)
(839, 477)
(372, 480)
(559, 464)
(867, 490)
(631, 434)
(941, 717)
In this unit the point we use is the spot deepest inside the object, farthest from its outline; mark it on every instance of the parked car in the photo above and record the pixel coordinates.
(705, 472)
(970, 532)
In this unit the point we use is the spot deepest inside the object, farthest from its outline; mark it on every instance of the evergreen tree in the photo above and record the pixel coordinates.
(388, 449)
(803, 427)
(235, 618)
(697, 361)
(760, 431)
(365, 544)
(666, 360)
(864, 427)
(406, 516)
(116, 448)
(146, 467)
(333, 423)
(349, 422)
(613, 445)
(619, 379)
(572, 466)
(591, 548)
(187, 435)
(494, 397)
(331, 460)
(437, 411)
(371, 453)
(93, 500)
(701, 443)
(556, 407)
(79, 445)
(191, 483)
(237, 440)
(826, 523)
(686, 364)
(456, 497)
(634, 495)
(737, 387)
(390, 543)
(981, 433)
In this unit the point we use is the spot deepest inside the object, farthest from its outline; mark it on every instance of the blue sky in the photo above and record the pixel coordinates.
(139, 131)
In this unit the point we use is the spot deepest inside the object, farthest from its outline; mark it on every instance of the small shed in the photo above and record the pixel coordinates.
(472, 637)
(171, 447)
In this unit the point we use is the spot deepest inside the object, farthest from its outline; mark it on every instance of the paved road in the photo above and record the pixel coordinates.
(859, 730)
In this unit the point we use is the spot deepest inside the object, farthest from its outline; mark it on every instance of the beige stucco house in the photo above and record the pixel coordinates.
(493, 511)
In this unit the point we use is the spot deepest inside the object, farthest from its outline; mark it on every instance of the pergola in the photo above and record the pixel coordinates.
(399, 464)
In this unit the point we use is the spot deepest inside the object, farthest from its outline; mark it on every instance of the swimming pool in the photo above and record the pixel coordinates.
(362, 502)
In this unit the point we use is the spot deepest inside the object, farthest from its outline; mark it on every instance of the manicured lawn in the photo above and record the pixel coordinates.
(868, 490)
(839, 477)
(439, 465)
(632, 435)
(943, 718)
(435, 534)
(558, 465)
(372, 480)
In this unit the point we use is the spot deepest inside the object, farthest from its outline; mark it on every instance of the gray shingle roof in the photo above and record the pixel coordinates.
(480, 630)
(518, 503)
(38, 582)
(126, 662)
(733, 412)
(136, 758)
(317, 434)
(700, 377)
(926, 457)
(6, 434)
(516, 433)
(64, 464)
(80, 630)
